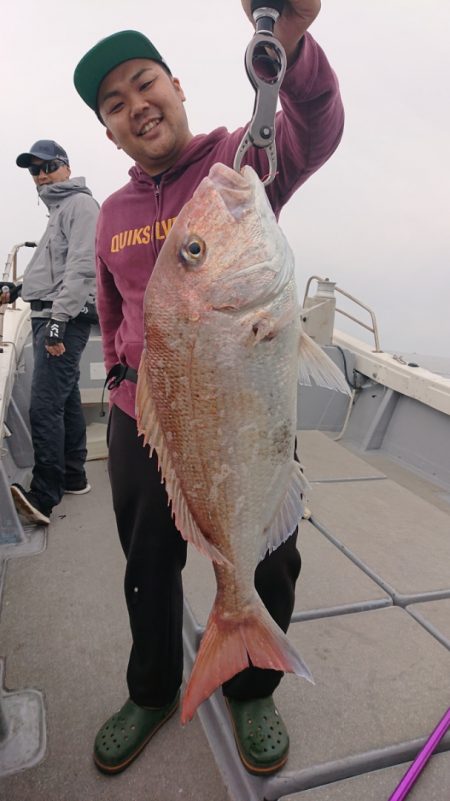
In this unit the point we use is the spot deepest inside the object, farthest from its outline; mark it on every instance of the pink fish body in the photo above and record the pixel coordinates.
(217, 401)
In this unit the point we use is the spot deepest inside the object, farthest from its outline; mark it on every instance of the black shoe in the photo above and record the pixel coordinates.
(27, 504)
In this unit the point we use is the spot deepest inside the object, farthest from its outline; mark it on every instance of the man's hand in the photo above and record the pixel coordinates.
(295, 20)
(9, 292)
(54, 343)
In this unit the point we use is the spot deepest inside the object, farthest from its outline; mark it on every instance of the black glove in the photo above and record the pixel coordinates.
(15, 290)
(55, 332)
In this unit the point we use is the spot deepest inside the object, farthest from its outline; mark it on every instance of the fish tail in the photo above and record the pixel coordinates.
(227, 648)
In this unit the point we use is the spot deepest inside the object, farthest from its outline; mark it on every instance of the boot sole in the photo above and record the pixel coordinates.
(83, 491)
(29, 512)
(122, 765)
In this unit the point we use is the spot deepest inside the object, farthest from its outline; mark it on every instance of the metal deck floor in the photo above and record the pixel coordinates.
(371, 621)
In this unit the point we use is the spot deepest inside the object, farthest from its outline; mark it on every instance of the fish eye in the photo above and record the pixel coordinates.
(193, 251)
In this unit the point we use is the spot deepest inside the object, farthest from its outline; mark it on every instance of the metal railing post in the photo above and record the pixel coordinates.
(372, 328)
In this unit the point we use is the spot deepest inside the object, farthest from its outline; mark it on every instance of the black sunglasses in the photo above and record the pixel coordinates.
(46, 166)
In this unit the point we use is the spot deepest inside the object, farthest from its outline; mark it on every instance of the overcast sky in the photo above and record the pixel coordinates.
(375, 219)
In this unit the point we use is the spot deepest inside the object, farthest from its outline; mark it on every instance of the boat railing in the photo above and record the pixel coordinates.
(10, 274)
(325, 293)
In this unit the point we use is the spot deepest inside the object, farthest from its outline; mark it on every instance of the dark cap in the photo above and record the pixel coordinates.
(105, 56)
(45, 149)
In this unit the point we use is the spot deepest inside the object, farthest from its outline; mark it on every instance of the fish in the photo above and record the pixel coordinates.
(217, 401)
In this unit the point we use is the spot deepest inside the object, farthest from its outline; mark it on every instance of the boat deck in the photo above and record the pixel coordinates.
(372, 621)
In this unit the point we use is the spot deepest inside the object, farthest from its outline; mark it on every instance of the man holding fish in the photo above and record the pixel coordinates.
(219, 314)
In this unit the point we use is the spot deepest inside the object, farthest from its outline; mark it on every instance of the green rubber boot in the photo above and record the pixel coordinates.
(261, 736)
(126, 733)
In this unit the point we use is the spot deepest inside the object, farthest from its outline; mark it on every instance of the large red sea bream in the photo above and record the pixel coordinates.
(216, 399)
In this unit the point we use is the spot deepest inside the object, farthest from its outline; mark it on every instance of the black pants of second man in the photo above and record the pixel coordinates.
(58, 427)
(156, 555)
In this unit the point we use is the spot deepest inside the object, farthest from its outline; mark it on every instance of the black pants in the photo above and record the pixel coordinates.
(156, 555)
(58, 427)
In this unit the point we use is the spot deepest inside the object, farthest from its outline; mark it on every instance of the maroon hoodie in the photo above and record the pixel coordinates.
(136, 219)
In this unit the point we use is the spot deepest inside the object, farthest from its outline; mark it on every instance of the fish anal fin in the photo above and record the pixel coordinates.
(227, 648)
(289, 512)
(149, 426)
(315, 364)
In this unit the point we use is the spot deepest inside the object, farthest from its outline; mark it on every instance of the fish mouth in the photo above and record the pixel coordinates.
(241, 193)
(236, 191)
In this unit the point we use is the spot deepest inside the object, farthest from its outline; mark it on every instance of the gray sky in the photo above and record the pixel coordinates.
(375, 219)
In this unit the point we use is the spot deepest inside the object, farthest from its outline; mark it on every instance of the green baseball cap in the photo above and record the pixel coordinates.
(105, 56)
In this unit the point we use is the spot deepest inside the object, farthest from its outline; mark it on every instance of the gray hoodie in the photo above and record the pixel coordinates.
(63, 266)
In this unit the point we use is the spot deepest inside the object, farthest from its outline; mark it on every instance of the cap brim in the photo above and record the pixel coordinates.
(105, 56)
(24, 160)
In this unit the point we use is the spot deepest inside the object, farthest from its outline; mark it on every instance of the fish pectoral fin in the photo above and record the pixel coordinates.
(149, 426)
(316, 365)
(289, 512)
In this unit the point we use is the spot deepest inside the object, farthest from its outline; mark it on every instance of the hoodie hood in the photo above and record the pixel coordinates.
(52, 194)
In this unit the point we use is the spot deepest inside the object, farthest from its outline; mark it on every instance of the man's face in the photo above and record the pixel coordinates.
(142, 108)
(62, 173)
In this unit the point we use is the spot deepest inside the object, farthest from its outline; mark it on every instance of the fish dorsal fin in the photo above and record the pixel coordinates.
(289, 512)
(149, 425)
(316, 365)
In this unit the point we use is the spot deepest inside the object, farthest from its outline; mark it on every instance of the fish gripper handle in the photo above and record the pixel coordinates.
(276, 4)
(265, 14)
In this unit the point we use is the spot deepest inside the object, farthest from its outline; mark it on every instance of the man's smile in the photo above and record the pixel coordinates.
(149, 125)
